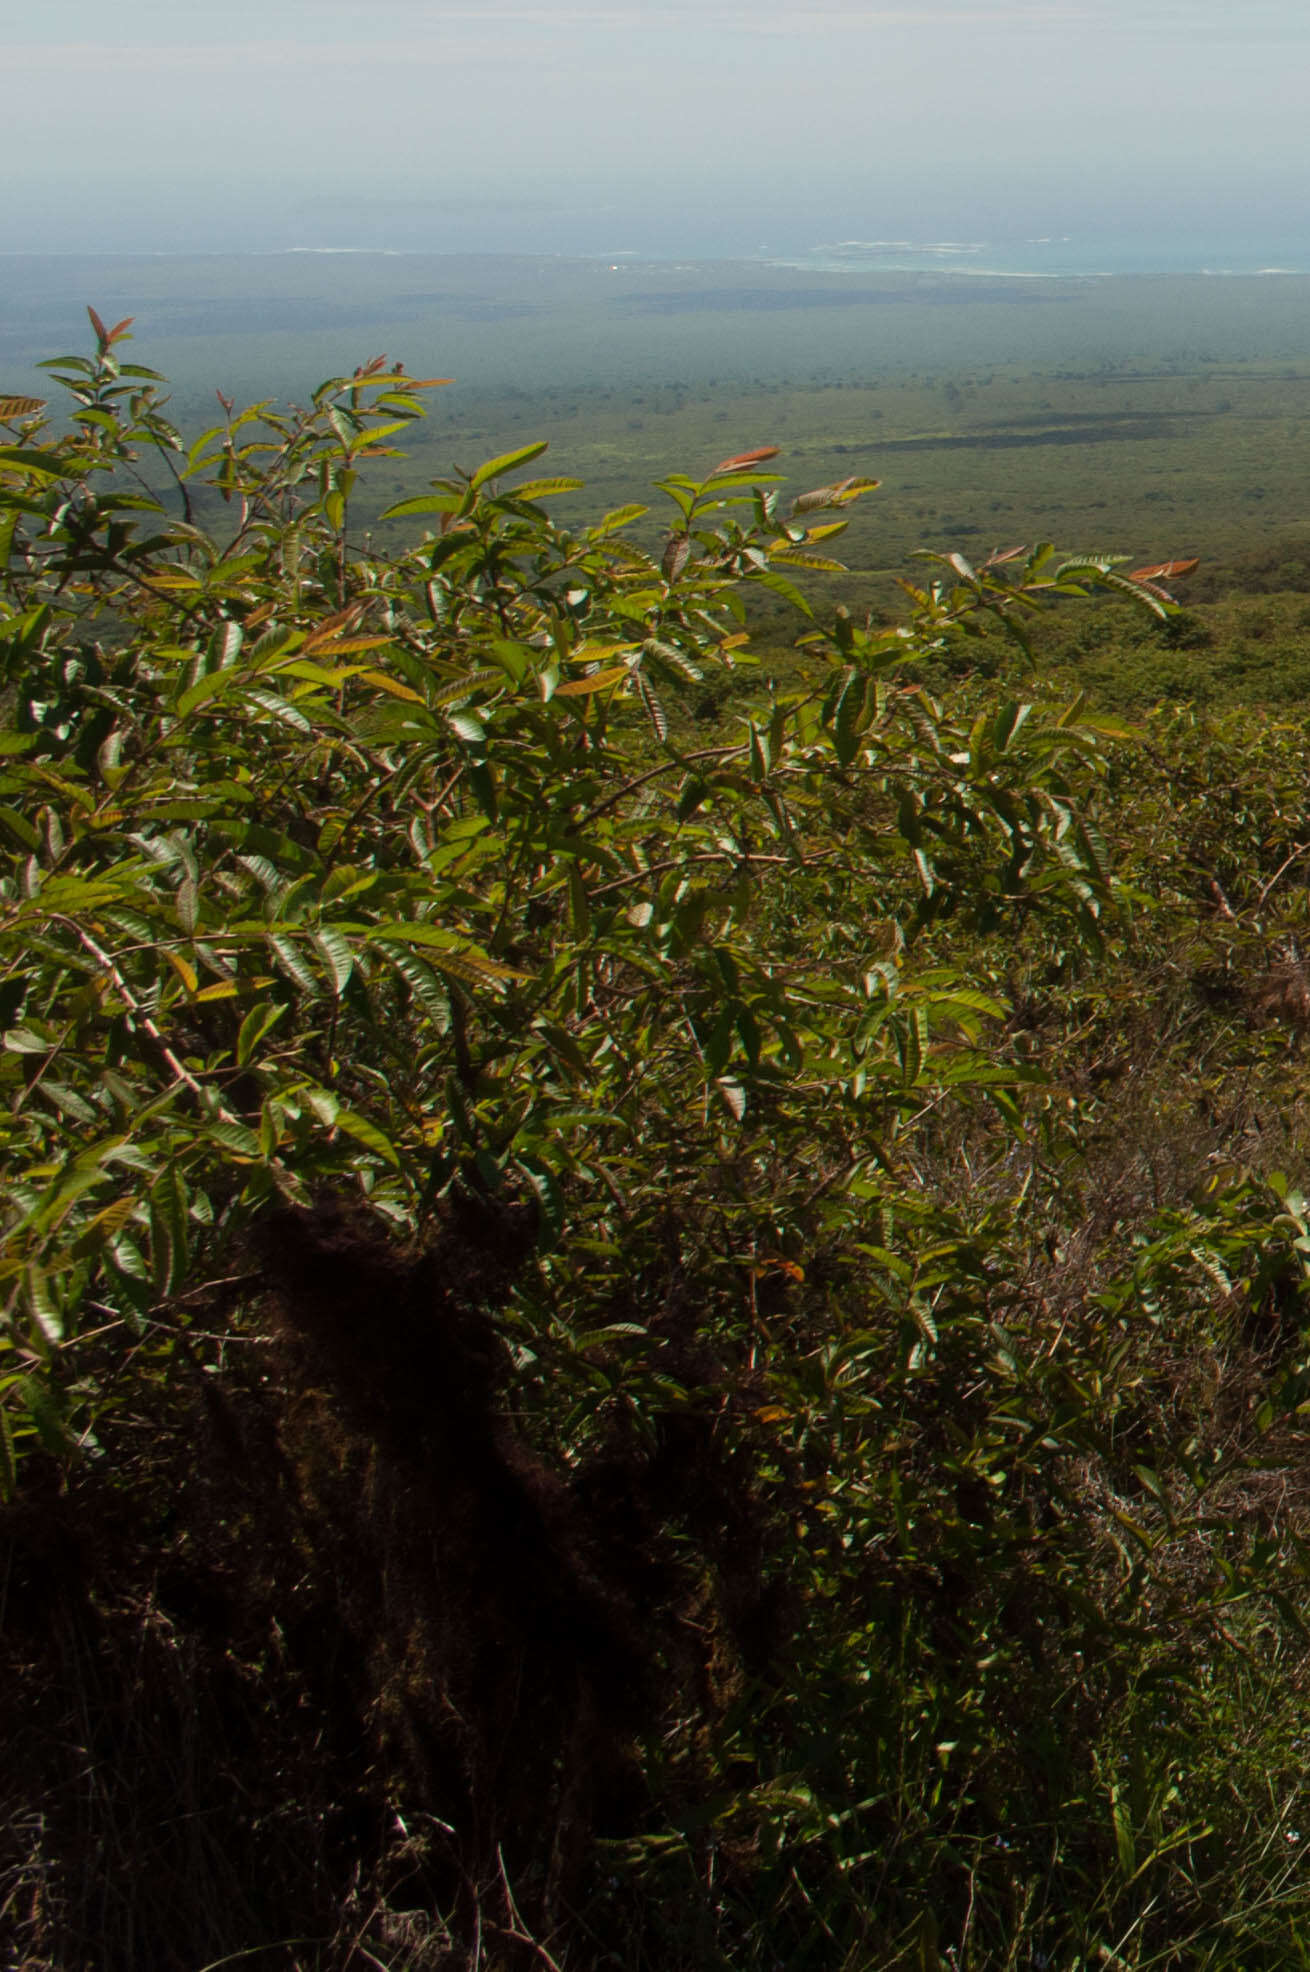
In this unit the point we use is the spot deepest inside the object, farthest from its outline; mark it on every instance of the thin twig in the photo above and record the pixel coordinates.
(1281, 871)
(745, 861)
(517, 1929)
(181, 1072)
(653, 773)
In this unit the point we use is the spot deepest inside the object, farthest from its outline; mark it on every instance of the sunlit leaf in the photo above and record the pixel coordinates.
(507, 462)
(743, 461)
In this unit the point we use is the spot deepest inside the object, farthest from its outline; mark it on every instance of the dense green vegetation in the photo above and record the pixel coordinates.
(651, 1320)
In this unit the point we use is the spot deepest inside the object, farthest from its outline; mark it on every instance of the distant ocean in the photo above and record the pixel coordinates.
(832, 232)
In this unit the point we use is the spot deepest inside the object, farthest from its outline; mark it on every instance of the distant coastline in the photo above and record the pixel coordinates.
(1055, 258)
(1043, 259)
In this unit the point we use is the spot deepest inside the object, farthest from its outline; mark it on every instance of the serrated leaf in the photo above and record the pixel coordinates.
(292, 963)
(677, 553)
(336, 955)
(169, 1240)
(41, 1305)
(421, 980)
(654, 710)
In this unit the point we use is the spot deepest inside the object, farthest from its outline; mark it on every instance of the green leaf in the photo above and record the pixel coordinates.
(540, 489)
(424, 503)
(549, 1200)
(23, 1040)
(234, 1137)
(212, 685)
(368, 1134)
(169, 1238)
(50, 463)
(507, 462)
(848, 719)
(769, 578)
(294, 965)
(617, 518)
(41, 1305)
(421, 980)
(444, 947)
(19, 829)
(597, 681)
(43, 1408)
(803, 558)
(261, 1019)
(337, 957)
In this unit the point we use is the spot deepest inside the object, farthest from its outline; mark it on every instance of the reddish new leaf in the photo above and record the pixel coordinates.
(108, 337)
(1164, 571)
(743, 461)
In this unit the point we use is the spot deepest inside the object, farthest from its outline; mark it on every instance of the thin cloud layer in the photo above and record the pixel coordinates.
(895, 115)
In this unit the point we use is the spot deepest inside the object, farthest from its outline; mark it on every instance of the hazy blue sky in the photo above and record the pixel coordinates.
(691, 125)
